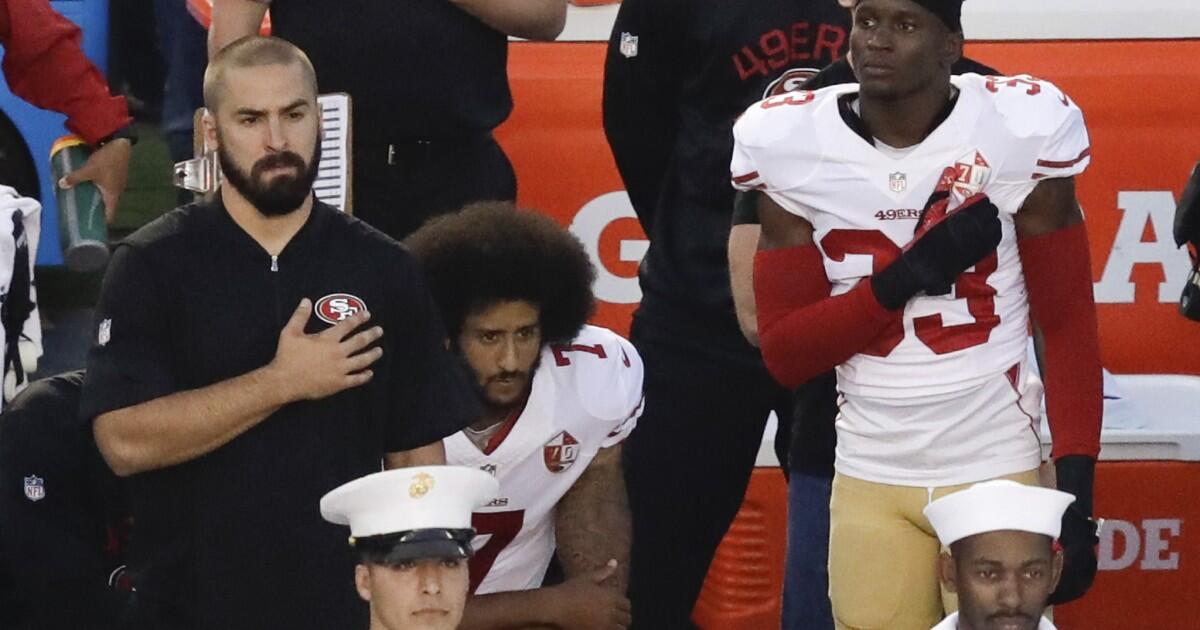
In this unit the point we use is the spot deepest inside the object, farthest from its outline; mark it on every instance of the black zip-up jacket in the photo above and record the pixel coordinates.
(677, 75)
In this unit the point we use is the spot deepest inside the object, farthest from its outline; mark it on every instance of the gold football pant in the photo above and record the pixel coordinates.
(883, 555)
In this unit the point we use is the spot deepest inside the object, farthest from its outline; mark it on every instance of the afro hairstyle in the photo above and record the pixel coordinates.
(493, 252)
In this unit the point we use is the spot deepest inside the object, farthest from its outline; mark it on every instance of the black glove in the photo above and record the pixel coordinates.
(937, 257)
(1076, 474)
(934, 211)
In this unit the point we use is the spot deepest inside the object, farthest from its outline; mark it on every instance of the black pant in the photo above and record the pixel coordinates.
(426, 179)
(687, 466)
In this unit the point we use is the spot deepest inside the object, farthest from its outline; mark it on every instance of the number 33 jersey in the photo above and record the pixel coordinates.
(1002, 136)
(585, 396)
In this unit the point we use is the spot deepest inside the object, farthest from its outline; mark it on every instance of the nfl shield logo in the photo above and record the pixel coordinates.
(35, 488)
(897, 182)
(560, 452)
(629, 45)
(105, 332)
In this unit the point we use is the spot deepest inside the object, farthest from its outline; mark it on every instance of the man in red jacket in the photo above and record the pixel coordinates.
(43, 64)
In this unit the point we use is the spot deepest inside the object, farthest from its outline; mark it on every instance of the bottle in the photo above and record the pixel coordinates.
(82, 230)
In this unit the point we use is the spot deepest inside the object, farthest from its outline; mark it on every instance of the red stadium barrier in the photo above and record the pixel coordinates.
(1149, 554)
(1149, 549)
(742, 591)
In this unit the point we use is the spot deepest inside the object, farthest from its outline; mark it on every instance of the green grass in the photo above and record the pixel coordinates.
(150, 192)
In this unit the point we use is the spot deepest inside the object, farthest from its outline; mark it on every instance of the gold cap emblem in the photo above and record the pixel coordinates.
(420, 486)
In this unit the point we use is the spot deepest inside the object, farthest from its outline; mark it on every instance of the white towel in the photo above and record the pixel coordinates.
(15, 207)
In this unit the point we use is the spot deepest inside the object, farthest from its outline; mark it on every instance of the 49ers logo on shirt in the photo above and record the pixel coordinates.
(789, 81)
(336, 307)
(560, 452)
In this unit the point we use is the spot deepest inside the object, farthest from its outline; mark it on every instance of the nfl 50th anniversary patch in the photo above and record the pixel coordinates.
(560, 452)
(336, 307)
(35, 488)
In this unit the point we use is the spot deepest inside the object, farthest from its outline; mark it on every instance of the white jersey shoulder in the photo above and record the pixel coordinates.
(1046, 130)
(783, 142)
(602, 369)
(776, 146)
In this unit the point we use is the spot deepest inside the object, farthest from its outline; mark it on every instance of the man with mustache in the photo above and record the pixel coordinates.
(251, 356)
(1001, 560)
(913, 227)
(514, 290)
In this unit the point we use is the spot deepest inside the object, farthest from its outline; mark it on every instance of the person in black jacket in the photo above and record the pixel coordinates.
(677, 74)
(252, 352)
(64, 517)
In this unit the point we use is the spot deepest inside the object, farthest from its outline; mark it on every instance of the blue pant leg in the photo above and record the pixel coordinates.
(806, 583)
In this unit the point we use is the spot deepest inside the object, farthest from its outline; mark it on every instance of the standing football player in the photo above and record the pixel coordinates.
(514, 290)
(908, 241)
(806, 445)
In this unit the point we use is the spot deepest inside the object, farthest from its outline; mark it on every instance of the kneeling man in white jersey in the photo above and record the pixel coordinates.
(514, 291)
(915, 226)
(1001, 561)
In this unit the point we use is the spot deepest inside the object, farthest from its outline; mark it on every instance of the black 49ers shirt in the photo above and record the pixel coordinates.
(677, 75)
(234, 539)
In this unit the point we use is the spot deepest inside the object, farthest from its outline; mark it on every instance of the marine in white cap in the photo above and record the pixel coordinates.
(412, 529)
(1003, 562)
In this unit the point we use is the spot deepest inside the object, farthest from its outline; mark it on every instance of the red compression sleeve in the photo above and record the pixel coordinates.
(1058, 276)
(44, 65)
(803, 331)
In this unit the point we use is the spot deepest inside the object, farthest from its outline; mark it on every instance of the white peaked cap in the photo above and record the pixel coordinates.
(995, 506)
(406, 499)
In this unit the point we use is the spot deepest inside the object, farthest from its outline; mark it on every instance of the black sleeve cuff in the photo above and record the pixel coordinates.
(125, 132)
(745, 208)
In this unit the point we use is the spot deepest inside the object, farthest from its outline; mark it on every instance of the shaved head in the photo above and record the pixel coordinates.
(248, 52)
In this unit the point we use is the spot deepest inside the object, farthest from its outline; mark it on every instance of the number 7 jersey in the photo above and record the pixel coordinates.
(1003, 135)
(585, 396)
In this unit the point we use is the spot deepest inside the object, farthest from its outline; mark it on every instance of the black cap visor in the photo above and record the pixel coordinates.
(419, 544)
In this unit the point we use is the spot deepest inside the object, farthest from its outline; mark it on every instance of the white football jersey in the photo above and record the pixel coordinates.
(1003, 135)
(586, 395)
